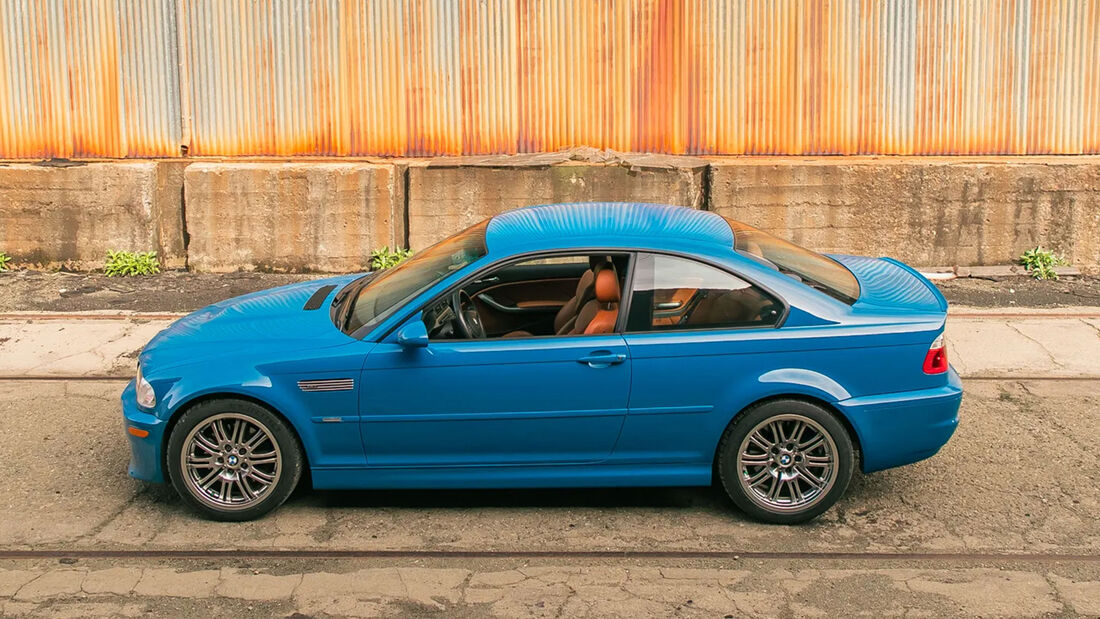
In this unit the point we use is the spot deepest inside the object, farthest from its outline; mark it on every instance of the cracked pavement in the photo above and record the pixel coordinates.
(1020, 476)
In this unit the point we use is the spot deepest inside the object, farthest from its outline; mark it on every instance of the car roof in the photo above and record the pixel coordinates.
(619, 224)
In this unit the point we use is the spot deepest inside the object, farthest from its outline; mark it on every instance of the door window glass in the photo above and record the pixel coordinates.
(677, 293)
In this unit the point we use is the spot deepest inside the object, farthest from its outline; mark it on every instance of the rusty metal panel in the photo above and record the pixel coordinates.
(88, 78)
(138, 78)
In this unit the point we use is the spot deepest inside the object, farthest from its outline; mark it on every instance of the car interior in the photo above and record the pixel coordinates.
(581, 295)
(563, 295)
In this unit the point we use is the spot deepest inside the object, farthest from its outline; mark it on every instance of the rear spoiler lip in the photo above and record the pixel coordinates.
(915, 273)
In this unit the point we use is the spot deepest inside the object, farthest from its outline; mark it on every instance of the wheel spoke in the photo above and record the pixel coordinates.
(778, 432)
(204, 444)
(810, 478)
(204, 461)
(205, 481)
(758, 439)
(255, 439)
(776, 487)
(248, 487)
(219, 431)
(799, 430)
(237, 424)
(260, 476)
(245, 494)
(813, 443)
(796, 491)
(755, 459)
(759, 478)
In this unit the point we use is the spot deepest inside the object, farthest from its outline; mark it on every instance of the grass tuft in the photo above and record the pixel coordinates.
(129, 263)
(1040, 263)
(385, 258)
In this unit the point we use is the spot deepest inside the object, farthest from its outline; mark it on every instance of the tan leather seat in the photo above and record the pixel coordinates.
(567, 315)
(600, 314)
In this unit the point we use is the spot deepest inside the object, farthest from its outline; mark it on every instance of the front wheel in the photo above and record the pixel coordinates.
(785, 461)
(233, 459)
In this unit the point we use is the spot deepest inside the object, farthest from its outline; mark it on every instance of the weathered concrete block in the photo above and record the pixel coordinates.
(926, 211)
(444, 199)
(50, 215)
(301, 216)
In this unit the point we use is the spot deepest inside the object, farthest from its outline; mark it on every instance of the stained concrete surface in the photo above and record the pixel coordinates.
(1043, 343)
(327, 215)
(1019, 476)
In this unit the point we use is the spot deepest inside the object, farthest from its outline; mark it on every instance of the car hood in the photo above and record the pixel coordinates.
(274, 318)
(886, 283)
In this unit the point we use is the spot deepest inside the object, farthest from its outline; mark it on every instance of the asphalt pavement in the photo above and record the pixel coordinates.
(1004, 521)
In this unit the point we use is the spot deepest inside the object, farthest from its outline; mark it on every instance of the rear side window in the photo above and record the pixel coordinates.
(672, 293)
(808, 267)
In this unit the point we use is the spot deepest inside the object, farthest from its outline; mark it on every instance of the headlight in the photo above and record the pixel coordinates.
(146, 397)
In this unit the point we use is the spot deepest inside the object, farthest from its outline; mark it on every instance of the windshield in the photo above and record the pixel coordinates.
(388, 290)
(811, 268)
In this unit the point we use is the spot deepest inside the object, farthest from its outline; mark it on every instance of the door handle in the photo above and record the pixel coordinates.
(602, 359)
(669, 305)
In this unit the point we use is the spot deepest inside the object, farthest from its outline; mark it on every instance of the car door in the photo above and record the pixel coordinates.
(504, 401)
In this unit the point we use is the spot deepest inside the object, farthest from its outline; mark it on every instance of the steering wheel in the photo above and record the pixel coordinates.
(466, 316)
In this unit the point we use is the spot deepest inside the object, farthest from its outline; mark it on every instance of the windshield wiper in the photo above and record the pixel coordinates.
(342, 302)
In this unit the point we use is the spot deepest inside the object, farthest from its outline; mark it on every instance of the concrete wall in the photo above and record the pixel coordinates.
(75, 214)
(447, 197)
(329, 215)
(926, 211)
(291, 216)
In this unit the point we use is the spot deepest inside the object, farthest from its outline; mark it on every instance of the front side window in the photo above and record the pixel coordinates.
(672, 293)
(808, 267)
(542, 296)
(389, 289)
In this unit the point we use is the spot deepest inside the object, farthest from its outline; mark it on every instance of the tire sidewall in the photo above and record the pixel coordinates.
(747, 420)
(289, 448)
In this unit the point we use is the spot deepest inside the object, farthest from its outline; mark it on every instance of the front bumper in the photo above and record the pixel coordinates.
(146, 457)
(901, 428)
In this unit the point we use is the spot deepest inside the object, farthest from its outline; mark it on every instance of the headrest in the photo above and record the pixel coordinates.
(594, 262)
(607, 286)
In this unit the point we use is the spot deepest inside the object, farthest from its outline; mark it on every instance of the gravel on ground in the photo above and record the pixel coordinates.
(182, 291)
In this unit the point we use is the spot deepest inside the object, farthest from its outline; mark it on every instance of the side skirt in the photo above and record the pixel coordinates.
(562, 476)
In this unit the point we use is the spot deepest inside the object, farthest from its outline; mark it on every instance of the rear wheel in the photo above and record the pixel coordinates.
(233, 459)
(785, 461)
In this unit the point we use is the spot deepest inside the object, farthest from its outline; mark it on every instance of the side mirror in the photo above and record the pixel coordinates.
(413, 335)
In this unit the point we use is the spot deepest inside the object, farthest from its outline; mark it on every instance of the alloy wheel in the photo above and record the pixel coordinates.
(230, 461)
(787, 463)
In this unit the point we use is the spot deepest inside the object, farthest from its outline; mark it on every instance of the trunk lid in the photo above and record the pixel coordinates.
(885, 283)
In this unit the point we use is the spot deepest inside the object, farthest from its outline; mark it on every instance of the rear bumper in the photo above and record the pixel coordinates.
(900, 428)
(146, 459)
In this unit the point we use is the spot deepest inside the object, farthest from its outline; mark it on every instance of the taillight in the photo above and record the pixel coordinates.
(935, 362)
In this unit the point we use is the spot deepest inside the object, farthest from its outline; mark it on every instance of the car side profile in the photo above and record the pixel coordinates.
(567, 345)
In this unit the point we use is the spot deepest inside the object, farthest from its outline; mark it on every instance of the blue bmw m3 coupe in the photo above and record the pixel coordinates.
(568, 345)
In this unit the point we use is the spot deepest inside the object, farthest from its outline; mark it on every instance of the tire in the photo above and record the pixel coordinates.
(245, 460)
(773, 483)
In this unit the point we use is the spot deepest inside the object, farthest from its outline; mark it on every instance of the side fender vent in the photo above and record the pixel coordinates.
(318, 297)
(327, 384)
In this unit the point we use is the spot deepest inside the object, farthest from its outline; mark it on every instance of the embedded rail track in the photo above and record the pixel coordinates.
(626, 555)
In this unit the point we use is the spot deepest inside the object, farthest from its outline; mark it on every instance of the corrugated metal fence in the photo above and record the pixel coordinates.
(155, 78)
